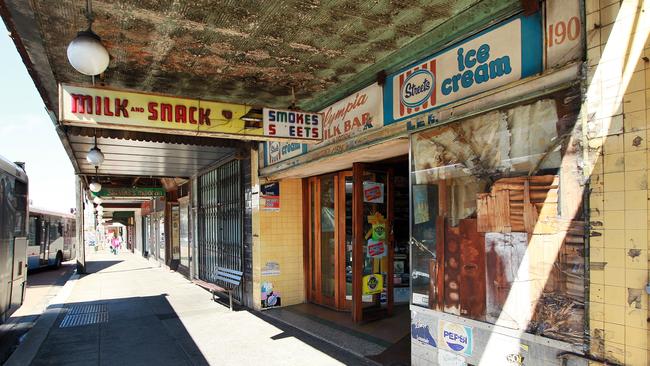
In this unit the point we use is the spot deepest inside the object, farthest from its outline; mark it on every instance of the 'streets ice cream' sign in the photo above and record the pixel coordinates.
(292, 124)
(493, 58)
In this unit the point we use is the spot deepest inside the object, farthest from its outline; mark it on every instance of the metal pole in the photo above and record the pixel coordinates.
(81, 243)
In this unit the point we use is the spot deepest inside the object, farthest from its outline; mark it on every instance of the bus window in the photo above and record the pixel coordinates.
(33, 231)
(54, 231)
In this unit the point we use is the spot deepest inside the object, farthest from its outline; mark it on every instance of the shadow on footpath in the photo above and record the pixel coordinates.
(126, 331)
(99, 265)
(288, 331)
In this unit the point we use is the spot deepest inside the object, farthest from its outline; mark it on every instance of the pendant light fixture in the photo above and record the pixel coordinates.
(95, 156)
(95, 186)
(86, 53)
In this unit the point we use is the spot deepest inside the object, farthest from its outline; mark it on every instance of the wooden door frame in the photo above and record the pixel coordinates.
(357, 219)
(313, 243)
(341, 301)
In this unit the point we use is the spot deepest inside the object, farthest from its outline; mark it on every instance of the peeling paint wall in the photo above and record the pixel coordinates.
(617, 111)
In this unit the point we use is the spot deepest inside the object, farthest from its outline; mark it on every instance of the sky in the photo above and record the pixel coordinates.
(27, 134)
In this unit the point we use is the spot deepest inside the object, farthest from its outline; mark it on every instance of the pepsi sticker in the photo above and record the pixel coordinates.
(455, 337)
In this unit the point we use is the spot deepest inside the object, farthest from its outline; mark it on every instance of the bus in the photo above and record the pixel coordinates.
(13, 236)
(52, 238)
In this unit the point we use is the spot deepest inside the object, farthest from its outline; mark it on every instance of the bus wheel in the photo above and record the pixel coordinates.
(59, 260)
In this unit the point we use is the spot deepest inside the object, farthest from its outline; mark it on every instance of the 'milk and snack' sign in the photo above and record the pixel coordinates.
(129, 110)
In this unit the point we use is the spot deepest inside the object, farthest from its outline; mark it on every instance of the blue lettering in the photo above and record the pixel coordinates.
(272, 116)
(446, 87)
(500, 67)
(481, 74)
(292, 117)
(484, 72)
(483, 53)
(467, 79)
(470, 59)
(461, 67)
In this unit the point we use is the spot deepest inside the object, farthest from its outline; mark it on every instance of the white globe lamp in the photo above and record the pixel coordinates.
(87, 54)
(95, 187)
(95, 156)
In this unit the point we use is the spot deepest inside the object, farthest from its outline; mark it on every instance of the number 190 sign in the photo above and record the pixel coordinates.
(563, 32)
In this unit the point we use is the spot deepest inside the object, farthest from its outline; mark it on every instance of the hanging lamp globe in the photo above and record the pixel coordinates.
(95, 156)
(98, 201)
(95, 187)
(87, 54)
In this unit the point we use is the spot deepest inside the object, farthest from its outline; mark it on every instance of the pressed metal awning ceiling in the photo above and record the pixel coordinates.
(249, 52)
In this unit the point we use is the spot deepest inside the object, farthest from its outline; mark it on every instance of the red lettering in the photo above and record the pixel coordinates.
(82, 103)
(153, 111)
(314, 132)
(98, 105)
(272, 130)
(121, 107)
(357, 123)
(107, 106)
(165, 112)
(204, 116)
(299, 131)
(300, 118)
(365, 119)
(192, 115)
(347, 126)
(181, 114)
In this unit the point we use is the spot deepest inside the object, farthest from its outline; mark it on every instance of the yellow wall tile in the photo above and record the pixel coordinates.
(636, 200)
(614, 220)
(614, 182)
(635, 180)
(635, 121)
(636, 239)
(635, 160)
(614, 201)
(636, 318)
(635, 356)
(614, 333)
(614, 239)
(635, 337)
(614, 314)
(614, 295)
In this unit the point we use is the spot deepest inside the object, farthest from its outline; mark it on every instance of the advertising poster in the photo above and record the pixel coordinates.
(271, 269)
(270, 297)
(420, 204)
(376, 249)
(373, 192)
(373, 284)
(270, 197)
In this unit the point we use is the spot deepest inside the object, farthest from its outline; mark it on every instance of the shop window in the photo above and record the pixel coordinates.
(497, 226)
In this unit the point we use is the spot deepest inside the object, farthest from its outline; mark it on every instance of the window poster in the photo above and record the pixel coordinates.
(270, 197)
(373, 192)
(420, 204)
(373, 284)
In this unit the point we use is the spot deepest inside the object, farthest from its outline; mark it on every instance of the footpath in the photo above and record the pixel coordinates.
(128, 311)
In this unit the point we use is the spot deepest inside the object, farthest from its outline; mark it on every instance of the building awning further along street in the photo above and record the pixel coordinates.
(164, 157)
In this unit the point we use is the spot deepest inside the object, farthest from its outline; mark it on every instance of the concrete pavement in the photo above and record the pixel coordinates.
(141, 314)
(42, 287)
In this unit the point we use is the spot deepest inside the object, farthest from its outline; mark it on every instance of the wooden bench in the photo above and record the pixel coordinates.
(230, 276)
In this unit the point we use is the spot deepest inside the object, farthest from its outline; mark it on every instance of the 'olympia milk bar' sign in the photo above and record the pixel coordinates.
(493, 58)
(130, 110)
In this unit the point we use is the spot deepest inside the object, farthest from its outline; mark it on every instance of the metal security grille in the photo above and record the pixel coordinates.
(220, 222)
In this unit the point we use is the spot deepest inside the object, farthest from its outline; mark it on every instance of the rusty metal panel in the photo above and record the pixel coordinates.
(472, 272)
(504, 256)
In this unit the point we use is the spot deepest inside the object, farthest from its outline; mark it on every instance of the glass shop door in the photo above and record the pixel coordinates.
(372, 256)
